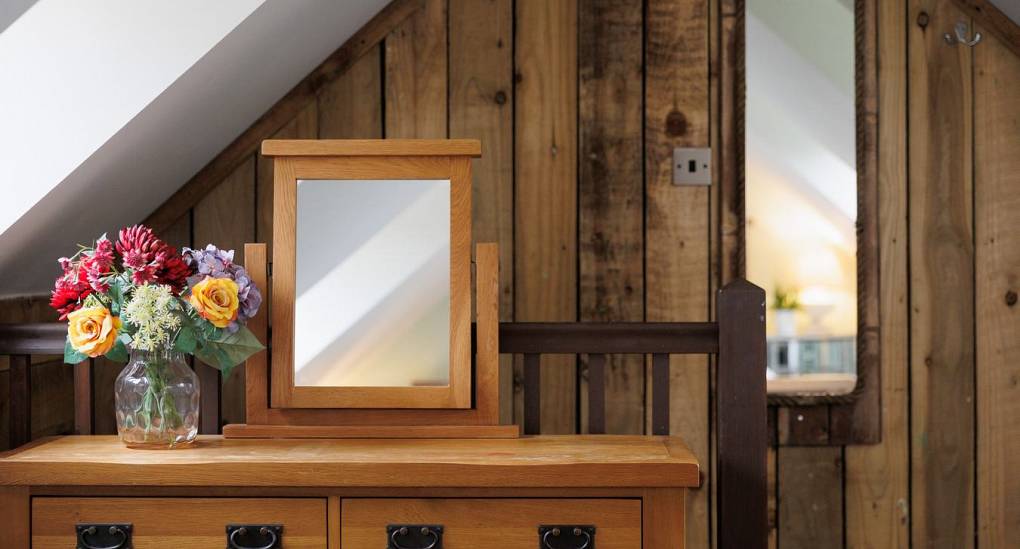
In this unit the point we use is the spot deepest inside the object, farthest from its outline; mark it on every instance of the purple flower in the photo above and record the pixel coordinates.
(220, 264)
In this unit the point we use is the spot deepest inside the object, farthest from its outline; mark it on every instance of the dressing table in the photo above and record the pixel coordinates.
(372, 421)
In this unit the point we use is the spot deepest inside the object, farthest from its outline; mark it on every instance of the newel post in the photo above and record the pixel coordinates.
(742, 423)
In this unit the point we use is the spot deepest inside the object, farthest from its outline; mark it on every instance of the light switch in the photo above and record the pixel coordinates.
(692, 166)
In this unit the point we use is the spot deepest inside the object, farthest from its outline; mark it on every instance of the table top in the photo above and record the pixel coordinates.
(601, 461)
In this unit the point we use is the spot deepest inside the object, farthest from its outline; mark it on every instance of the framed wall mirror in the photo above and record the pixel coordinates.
(372, 295)
(809, 192)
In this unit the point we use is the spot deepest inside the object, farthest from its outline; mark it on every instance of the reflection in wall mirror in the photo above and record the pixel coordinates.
(801, 189)
(372, 285)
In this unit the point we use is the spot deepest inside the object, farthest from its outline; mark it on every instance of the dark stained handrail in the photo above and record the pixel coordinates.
(43, 338)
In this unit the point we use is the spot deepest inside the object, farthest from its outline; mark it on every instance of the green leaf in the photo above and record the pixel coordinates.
(227, 350)
(186, 341)
(117, 294)
(70, 355)
(119, 352)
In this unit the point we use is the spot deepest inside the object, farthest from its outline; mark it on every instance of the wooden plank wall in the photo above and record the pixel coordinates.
(578, 104)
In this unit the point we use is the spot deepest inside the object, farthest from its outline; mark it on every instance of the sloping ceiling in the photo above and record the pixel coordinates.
(1009, 7)
(79, 187)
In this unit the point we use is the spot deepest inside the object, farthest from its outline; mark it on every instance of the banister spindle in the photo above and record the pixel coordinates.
(84, 403)
(532, 394)
(20, 377)
(596, 394)
(660, 394)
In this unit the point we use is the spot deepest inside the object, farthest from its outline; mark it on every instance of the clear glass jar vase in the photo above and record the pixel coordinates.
(157, 400)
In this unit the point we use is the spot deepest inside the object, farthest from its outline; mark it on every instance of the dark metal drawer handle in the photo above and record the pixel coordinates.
(582, 537)
(103, 536)
(429, 534)
(268, 535)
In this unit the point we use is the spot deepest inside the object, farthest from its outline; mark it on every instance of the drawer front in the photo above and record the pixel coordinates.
(503, 523)
(178, 522)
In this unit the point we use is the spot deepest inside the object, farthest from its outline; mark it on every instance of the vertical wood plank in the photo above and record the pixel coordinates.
(226, 218)
(350, 107)
(487, 335)
(303, 126)
(677, 218)
(810, 497)
(416, 74)
(178, 234)
(20, 398)
(481, 107)
(545, 212)
(611, 190)
(256, 393)
(660, 394)
(84, 415)
(877, 476)
(997, 276)
(941, 281)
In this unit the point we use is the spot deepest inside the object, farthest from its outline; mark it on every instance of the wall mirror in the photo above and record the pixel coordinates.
(810, 223)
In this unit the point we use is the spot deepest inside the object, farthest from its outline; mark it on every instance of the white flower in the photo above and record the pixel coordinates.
(150, 310)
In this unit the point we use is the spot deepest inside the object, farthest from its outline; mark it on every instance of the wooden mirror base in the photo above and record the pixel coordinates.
(243, 431)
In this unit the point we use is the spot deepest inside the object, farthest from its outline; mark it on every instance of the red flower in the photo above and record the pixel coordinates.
(151, 259)
(70, 288)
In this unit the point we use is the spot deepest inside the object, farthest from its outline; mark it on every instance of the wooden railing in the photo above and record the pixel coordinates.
(737, 339)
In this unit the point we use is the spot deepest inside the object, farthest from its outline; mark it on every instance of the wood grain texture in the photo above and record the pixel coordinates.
(487, 367)
(416, 74)
(481, 107)
(191, 522)
(333, 522)
(877, 490)
(941, 237)
(469, 523)
(15, 520)
(997, 281)
(611, 191)
(677, 218)
(810, 497)
(256, 388)
(992, 19)
(350, 107)
(662, 527)
(370, 431)
(545, 212)
(225, 217)
(603, 461)
(283, 111)
(303, 126)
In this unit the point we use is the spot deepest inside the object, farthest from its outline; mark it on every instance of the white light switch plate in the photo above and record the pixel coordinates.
(692, 166)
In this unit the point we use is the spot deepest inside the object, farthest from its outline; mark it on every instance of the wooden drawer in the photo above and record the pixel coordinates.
(178, 522)
(504, 523)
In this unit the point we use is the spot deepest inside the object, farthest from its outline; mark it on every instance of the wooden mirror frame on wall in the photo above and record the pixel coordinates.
(816, 420)
(468, 406)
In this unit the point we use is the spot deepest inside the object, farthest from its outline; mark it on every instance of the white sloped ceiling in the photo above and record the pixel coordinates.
(107, 108)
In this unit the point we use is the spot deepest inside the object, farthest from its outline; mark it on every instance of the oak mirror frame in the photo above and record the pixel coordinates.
(375, 179)
(823, 419)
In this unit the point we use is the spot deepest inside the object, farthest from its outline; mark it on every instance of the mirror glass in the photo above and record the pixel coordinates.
(801, 188)
(372, 296)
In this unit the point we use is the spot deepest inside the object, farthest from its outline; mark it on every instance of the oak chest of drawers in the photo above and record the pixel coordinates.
(559, 492)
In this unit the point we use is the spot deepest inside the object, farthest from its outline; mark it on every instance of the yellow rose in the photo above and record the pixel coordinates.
(215, 299)
(92, 330)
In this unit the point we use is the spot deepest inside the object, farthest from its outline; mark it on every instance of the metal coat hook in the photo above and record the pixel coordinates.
(962, 31)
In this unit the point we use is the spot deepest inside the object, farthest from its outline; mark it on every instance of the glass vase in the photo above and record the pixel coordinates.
(157, 400)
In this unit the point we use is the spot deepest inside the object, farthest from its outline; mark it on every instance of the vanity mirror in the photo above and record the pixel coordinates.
(371, 295)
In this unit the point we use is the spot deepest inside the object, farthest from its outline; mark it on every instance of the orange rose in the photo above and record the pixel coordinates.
(92, 330)
(215, 299)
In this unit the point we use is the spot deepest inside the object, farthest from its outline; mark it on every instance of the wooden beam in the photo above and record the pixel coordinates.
(280, 114)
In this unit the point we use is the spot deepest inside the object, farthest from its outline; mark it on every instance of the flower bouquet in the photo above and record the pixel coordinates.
(140, 301)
